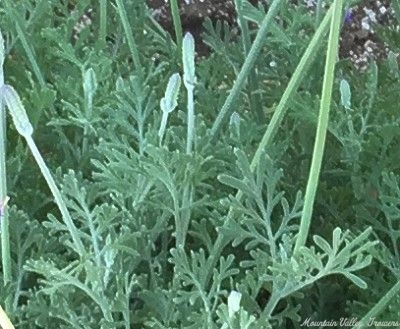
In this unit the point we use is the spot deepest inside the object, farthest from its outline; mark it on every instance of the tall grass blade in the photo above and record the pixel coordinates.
(312, 184)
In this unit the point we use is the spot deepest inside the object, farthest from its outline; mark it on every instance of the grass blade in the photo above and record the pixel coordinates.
(326, 97)
(240, 82)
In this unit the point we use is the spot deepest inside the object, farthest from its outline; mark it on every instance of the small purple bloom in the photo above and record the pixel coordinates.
(348, 16)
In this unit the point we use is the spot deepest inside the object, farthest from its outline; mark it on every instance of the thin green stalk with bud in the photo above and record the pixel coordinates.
(10, 98)
(25, 129)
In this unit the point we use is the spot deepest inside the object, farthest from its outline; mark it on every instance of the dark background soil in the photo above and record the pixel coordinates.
(357, 42)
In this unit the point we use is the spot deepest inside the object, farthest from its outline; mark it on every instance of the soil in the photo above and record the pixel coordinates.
(359, 42)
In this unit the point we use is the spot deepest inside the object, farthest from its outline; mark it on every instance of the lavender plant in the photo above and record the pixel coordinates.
(164, 225)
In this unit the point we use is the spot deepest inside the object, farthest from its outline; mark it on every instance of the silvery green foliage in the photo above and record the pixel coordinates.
(261, 193)
(106, 277)
(131, 192)
(270, 238)
(390, 207)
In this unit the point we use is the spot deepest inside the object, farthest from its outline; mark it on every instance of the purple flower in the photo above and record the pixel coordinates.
(348, 16)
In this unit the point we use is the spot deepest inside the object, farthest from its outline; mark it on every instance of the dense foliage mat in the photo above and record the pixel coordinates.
(143, 186)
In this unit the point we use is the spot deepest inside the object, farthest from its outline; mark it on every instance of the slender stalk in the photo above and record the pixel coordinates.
(189, 80)
(246, 68)
(57, 196)
(333, 45)
(183, 221)
(190, 124)
(129, 37)
(5, 235)
(103, 22)
(318, 12)
(28, 50)
(299, 74)
(244, 28)
(25, 129)
(254, 99)
(366, 321)
(176, 19)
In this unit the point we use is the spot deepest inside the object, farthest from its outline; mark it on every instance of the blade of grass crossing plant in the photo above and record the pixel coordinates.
(5, 235)
(189, 79)
(300, 73)
(129, 36)
(21, 35)
(318, 12)
(365, 322)
(103, 23)
(254, 99)
(323, 120)
(24, 128)
(239, 84)
(176, 19)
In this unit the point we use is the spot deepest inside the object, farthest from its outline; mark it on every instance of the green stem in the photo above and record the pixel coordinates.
(80, 249)
(28, 50)
(129, 37)
(299, 74)
(190, 123)
(5, 235)
(246, 68)
(379, 307)
(312, 184)
(254, 99)
(318, 12)
(270, 307)
(103, 22)
(176, 19)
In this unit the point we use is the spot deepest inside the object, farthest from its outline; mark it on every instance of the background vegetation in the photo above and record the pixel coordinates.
(185, 227)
